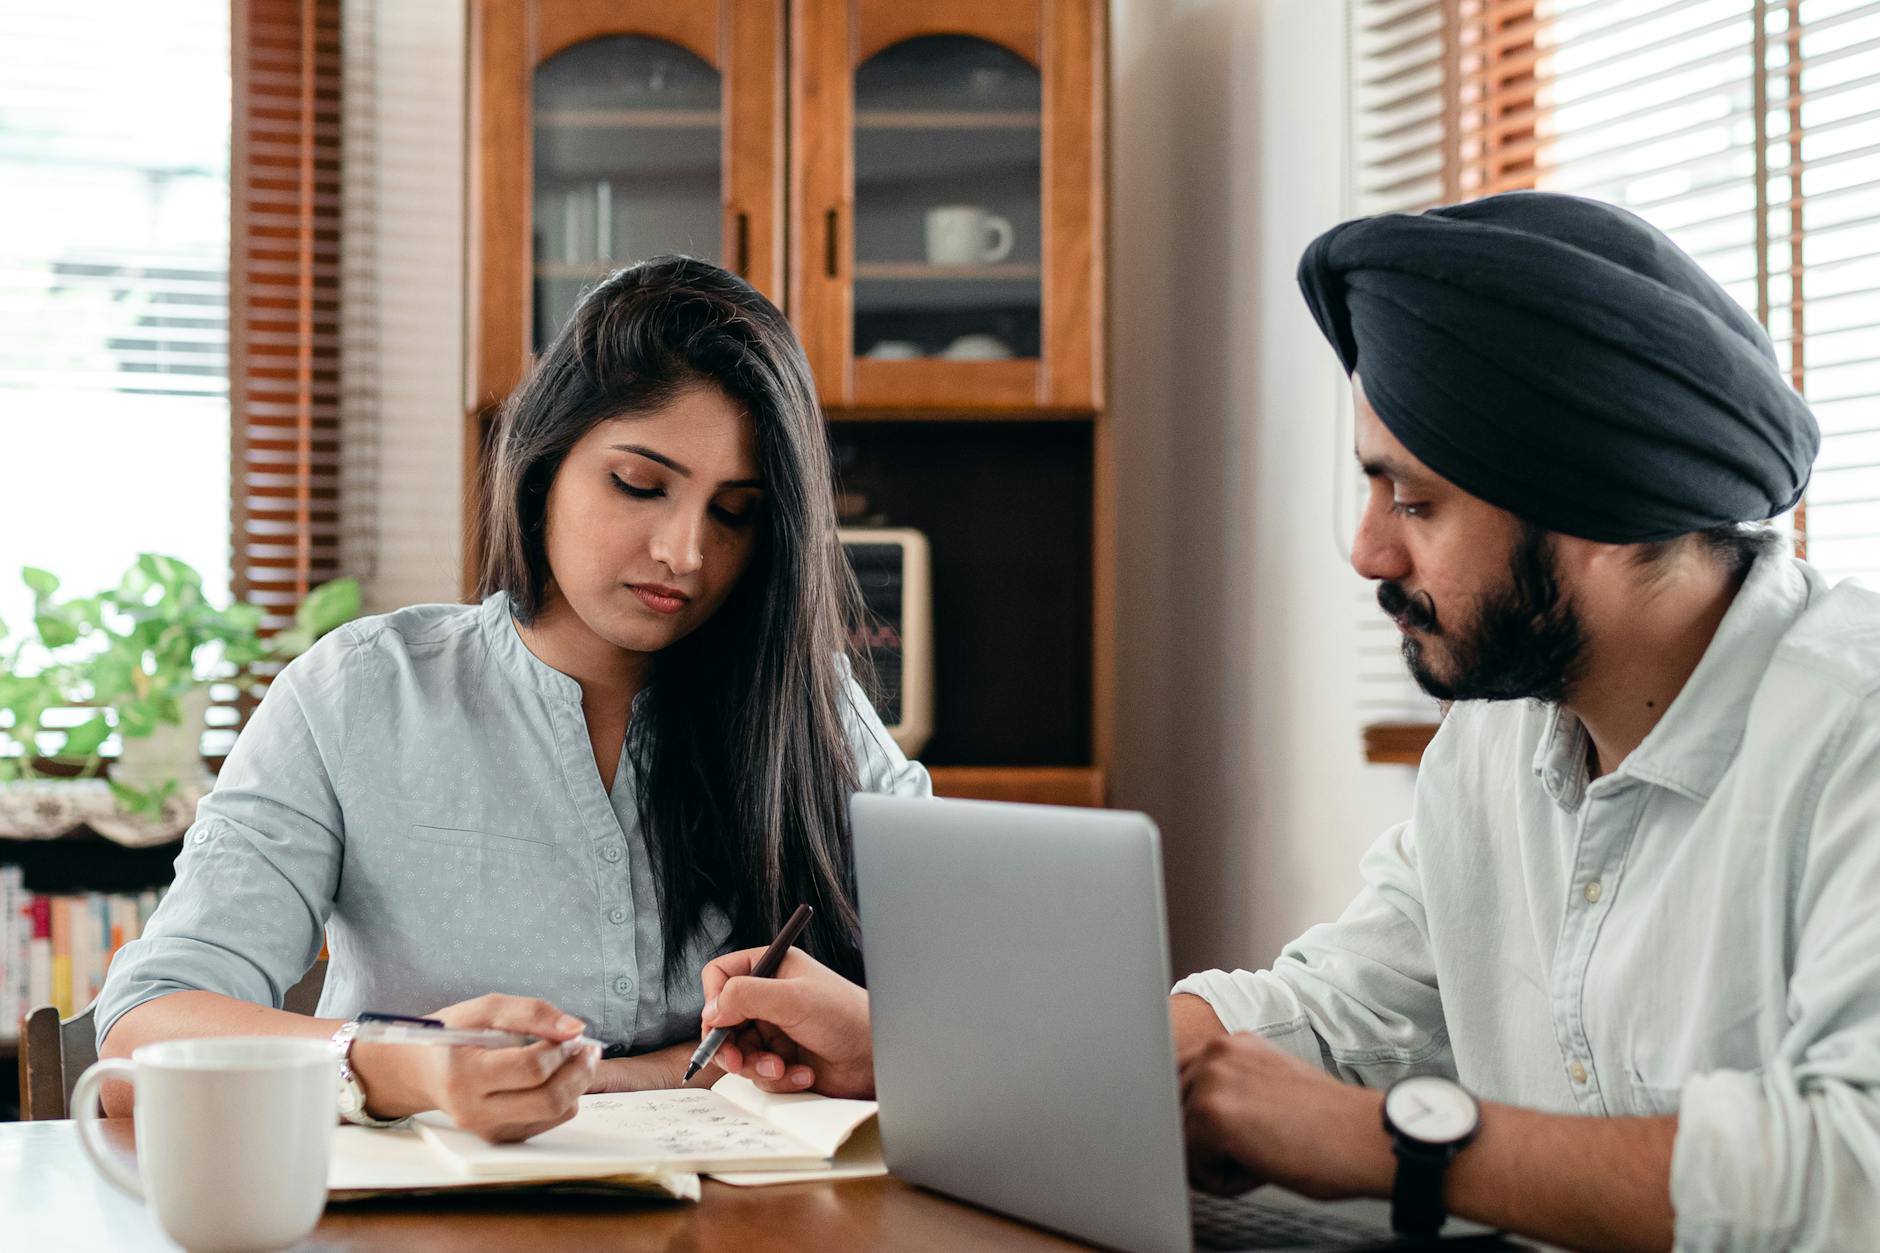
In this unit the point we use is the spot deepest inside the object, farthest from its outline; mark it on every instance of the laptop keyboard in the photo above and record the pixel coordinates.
(1241, 1222)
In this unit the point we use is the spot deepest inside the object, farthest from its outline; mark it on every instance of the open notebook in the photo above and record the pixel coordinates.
(732, 1127)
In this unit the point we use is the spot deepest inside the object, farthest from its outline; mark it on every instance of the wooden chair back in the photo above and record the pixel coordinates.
(55, 1051)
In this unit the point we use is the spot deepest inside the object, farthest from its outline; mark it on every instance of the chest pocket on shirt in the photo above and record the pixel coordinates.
(483, 841)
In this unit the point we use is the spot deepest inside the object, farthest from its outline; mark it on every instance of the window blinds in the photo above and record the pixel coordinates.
(1747, 130)
(285, 273)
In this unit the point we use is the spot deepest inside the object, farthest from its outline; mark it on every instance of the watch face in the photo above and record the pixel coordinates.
(1431, 1109)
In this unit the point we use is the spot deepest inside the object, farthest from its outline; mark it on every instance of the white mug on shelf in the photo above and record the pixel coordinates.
(977, 347)
(965, 234)
(895, 350)
(233, 1136)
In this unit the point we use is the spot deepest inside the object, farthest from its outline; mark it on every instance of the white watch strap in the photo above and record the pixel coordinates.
(351, 1094)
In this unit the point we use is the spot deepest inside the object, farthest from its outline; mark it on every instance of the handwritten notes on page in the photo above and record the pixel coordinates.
(676, 1130)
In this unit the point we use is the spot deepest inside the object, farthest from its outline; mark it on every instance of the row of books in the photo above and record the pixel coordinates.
(55, 949)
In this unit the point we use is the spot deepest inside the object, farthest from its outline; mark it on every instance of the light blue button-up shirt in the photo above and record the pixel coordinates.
(1697, 932)
(419, 789)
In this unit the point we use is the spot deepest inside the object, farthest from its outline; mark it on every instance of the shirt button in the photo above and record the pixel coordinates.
(1592, 892)
(1578, 1072)
(202, 837)
(616, 915)
(623, 986)
(611, 853)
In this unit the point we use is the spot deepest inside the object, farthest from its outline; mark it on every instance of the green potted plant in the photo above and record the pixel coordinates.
(143, 655)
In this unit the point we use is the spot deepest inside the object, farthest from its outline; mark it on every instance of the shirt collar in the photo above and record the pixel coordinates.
(506, 646)
(1696, 740)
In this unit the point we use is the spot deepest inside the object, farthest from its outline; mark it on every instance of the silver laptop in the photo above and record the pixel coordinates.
(1018, 976)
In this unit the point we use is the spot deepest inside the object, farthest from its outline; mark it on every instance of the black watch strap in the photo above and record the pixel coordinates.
(1416, 1196)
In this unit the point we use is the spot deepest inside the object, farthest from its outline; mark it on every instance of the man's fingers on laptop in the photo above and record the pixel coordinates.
(1222, 1176)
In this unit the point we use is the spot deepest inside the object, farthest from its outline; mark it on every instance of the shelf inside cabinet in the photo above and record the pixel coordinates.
(947, 119)
(927, 272)
(631, 119)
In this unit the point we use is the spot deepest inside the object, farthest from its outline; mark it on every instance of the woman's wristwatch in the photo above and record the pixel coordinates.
(1430, 1119)
(352, 1093)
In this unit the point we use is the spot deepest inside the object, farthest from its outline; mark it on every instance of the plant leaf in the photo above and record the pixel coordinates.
(139, 718)
(327, 606)
(54, 630)
(83, 740)
(133, 800)
(42, 582)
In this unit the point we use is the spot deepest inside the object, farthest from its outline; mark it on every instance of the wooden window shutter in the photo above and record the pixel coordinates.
(284, 302)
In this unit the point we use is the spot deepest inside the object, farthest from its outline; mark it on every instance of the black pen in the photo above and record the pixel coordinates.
(766, 967)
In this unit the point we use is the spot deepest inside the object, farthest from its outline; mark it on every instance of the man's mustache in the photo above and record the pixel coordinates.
(1415, 610)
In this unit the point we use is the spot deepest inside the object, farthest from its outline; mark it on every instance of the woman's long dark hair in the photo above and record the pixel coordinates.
(744, 765)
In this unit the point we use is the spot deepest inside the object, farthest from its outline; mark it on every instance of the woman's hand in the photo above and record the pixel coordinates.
(805, 1028)
(499, 1094)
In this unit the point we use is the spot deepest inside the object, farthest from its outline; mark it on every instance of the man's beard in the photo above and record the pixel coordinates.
(1525, 642)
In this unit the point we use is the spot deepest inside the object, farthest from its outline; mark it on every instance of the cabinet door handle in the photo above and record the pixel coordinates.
(829, 244)
(743, 232)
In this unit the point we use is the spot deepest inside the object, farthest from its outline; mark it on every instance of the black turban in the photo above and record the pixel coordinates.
(1563, 360)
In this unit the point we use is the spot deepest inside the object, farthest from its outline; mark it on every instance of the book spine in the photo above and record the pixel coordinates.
(40, 983)
(62, 955)
(84, 940)
(78, 920)
(20, 951)
(119, 909)
(98, 946)
(9, 954)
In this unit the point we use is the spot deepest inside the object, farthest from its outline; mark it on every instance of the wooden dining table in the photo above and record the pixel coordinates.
(51, 1198)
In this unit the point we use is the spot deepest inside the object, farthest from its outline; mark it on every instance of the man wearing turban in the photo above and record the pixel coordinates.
(1634, 919)
(1616, 982)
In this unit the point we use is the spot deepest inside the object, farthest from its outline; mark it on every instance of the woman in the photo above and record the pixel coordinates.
(634, 754)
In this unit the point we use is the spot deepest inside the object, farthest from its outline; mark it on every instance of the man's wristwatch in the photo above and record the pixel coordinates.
(352, 1093)
(1430, 1120)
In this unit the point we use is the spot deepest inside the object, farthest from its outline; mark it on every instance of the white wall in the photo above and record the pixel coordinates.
(1236, 727)
(418, 169)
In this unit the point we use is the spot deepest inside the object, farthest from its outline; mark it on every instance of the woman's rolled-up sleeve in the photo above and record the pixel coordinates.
(259, 867)
(880, 765)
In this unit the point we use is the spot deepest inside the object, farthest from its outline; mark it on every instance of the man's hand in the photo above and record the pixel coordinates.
(500, 1094)
(806, 1028)
(1255, 1115)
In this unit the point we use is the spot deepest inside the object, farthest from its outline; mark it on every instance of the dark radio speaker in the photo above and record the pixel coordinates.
(891, 565)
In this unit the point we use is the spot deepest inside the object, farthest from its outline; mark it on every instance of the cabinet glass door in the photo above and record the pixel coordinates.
(628, 165)
(948, 229)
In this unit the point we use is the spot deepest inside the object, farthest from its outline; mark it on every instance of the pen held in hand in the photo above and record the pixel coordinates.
(470, 1037)
(765, 968)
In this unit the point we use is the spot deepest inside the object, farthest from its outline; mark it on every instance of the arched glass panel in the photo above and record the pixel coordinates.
(628, 165)
(948, 201)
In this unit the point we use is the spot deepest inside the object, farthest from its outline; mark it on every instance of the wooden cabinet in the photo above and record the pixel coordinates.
(945, 202)
(920, 186)
(602, 131)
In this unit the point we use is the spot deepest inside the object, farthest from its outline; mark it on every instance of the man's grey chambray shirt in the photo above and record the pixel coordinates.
(1696, 933)
(419, 789)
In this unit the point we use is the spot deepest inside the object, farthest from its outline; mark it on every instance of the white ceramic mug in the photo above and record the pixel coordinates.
(965, 234)
(233, 1136)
